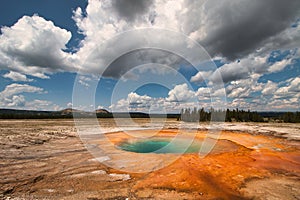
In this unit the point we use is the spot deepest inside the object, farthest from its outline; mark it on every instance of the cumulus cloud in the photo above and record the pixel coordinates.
(179, 97)
(240, 69)
(38, 104)
(294, 85)
(269, 88)
(134, 102)
(240, 94)
(244, 88)
(69, 105)
(280, 65)
(15, 76)
(34, 46)
(287, 97)
(15, 101)
(290, 90)
(180, 93)
(12, 95)
(144, 103)
(246, 68)
(16, 88)
(201, 76)
(203, 93)
(110, 45)
(274, 96)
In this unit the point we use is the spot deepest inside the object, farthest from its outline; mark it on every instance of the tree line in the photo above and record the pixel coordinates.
(188, 114)
(195, 115)
(290, 117)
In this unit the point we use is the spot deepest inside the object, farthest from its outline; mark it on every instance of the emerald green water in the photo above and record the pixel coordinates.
(161, 145)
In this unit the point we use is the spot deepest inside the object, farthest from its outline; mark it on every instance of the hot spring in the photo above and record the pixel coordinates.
(161, 145)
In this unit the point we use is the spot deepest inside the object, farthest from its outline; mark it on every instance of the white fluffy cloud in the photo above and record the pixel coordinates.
(13, 97)
(291, 89)
(15, 76)
(69, 105)
(34, 46)
(144, 103)
(280, 102)
(134, 102)
(203, 93)
(240, 69)
(100, 46)
(269, 88)
(243, 69)
(244, 94)
(15, 88)
(280, 65)
(180, 93)
(201, 76)
(274, 96)
(38, 104)
(244, 88)
(178, 97)
(294, 85)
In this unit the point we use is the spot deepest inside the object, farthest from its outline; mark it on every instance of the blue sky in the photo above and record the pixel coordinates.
(150, 56)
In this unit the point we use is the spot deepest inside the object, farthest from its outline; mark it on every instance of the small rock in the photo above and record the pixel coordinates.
(120, 177)
(219, 166)
(100, 159)
(99, 172)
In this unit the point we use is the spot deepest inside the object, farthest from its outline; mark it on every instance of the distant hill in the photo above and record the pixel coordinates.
(271, 114)
(33, 114)
(101, 111)
(23, 114)
(70, 113)
(68, 110)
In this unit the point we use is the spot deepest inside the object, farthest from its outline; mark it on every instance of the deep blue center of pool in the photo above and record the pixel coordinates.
(161, 146)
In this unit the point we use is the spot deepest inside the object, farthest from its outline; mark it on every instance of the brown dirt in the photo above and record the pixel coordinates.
(45, 159)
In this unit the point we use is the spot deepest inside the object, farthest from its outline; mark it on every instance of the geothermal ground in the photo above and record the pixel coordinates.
(47, 159)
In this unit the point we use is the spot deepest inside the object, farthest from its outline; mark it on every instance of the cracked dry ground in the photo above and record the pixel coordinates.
(45, 159)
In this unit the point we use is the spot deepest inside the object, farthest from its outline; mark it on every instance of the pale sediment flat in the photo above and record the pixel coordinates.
(51, 159)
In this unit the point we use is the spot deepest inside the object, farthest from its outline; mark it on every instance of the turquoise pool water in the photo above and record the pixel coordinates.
(161, 145)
